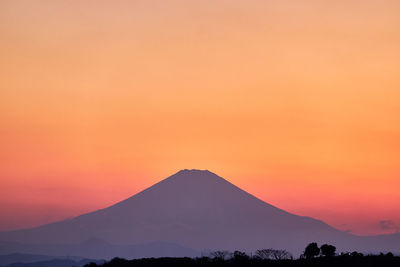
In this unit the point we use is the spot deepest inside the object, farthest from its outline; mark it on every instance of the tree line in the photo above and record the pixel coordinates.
(313, 255)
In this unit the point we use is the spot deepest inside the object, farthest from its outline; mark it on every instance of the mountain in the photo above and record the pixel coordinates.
(29, 258)
(55, 262)
(195, 211)
(92, 248)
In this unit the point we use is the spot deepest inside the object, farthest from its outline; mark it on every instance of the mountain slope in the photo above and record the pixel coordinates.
(198, 210)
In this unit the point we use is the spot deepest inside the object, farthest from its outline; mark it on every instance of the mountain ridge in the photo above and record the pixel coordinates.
(198, 210)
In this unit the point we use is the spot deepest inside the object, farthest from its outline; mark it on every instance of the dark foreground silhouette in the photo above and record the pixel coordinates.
(313, 255)
(347, 260)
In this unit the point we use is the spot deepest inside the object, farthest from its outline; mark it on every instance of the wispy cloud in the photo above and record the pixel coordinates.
(389, 225)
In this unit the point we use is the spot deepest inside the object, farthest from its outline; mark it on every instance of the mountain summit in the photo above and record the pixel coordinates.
(196, 210)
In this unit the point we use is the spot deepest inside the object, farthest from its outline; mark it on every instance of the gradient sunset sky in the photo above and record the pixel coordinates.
(296, 102)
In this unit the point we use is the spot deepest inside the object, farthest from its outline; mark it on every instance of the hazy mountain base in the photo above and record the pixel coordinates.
(93, 249)
(57, 263)
(29, 258)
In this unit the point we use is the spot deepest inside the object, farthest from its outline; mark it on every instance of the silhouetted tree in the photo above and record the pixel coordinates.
(328, 250)
(273, 254)
(263, 254)
(356, 254)
(203, 260)
(220, 255)
(278, 254)
(311, 250)
(239, 256)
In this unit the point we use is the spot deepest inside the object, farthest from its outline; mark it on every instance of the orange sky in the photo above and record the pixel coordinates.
(297, 102)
